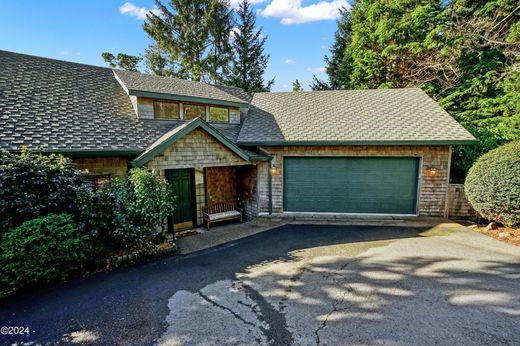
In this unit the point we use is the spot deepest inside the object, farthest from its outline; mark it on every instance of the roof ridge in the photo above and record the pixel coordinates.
(54, 59)
(177, 78)
(335, 91)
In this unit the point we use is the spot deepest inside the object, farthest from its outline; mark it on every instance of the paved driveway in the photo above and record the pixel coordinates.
(298, 284)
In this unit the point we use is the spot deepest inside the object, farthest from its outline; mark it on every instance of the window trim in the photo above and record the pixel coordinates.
(163, 101)
(219, 122)
(184, 104)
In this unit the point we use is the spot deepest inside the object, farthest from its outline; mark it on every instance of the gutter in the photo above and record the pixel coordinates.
(359, 143)
(185, 98)
(88, 152)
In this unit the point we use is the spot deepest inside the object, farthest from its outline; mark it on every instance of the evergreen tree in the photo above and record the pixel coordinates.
(122, 61)
(339, 64)
(296, 86)
(380, 42)
(250, 61)
(319, 84)
(464, 53)
(190, 40)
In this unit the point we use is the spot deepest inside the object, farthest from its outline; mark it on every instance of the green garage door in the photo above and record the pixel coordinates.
(379, 185)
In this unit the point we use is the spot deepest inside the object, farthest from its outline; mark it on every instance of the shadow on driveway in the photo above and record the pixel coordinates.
(129, 305)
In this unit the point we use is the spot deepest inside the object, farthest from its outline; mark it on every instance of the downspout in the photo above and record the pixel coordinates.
(270, 187)
(447, 195)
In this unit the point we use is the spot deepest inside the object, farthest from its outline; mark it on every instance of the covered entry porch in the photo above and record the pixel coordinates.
(203, 167)
(198, 187)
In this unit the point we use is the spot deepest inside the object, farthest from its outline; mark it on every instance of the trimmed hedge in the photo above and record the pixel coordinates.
(47, 249)
(493, 184)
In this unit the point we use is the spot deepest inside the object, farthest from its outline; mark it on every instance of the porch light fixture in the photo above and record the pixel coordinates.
(274, 170)
(431, 171)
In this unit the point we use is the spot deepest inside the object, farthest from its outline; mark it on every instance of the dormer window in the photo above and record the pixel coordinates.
(192, 111)
(166, 110)
(219, 114)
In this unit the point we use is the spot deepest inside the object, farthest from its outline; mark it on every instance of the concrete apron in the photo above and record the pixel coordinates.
(220, 235)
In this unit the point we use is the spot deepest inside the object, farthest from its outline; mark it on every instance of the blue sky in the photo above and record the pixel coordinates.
(299, 32)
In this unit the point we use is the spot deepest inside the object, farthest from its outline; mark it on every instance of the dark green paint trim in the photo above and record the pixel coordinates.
(158, 147)
(357, 143)
(174, 97)
(260, 158)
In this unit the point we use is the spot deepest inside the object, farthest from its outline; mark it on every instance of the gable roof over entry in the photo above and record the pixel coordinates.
(180, 132)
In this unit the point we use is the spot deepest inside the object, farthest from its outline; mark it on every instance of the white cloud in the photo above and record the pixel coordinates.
(289, 61)
(132, 10)
(235, 3)
(317, 69)
(292, 12)
(325, 47)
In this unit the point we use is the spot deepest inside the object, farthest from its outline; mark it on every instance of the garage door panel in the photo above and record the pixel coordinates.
(351, 184)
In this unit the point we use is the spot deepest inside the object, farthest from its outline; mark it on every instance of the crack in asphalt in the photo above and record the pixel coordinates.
(334, 309)
(294, 278)
(338, 302)
(277, 333)
(235, 314)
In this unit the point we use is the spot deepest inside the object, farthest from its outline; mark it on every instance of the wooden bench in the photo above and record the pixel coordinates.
(220, 211)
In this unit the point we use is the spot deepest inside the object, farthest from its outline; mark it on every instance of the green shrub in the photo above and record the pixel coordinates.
(493, 184)
(464, 156)
(123, 212)
(47, 249)
(34, 184)
(95, 215)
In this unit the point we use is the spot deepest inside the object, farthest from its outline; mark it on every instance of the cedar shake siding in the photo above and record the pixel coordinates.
(109, 166)
(197, 149)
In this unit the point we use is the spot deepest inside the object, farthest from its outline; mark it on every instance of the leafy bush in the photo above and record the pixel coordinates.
(464, 156)
(49, 248)
(34, 184)
(123, 212)
(493, 184)
(95, 216)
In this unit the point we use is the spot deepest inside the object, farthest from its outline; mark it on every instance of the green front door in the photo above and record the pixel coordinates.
(378, 185)
(181, 181)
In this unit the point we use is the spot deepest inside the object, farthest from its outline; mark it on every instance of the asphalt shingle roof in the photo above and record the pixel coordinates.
(64, 106)
(349, 116)
(175, 86)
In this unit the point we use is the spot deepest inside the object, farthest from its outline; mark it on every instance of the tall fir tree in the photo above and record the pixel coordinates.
(337, 65)
(250, 61)
(191, 40)
(296, 86)
(464, 53)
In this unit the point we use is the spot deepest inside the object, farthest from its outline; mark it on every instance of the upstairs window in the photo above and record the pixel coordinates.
(219, 114)
(194, 111)
(165, 110)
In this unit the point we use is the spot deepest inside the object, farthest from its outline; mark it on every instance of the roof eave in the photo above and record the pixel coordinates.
(184, 98)
(89, 152)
